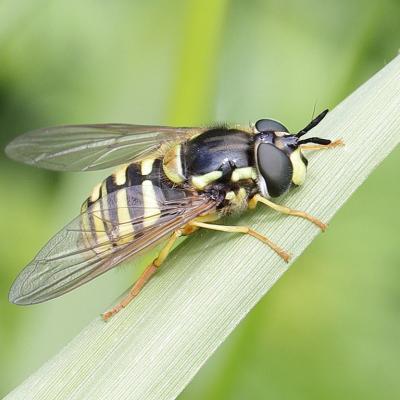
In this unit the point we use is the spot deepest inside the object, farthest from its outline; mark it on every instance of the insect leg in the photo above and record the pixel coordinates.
(286, 210)
(144, 277)
(243, 229)
(335, 143)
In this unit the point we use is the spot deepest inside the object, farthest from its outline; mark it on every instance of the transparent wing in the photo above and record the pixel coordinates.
(92, 147)
(101, 238)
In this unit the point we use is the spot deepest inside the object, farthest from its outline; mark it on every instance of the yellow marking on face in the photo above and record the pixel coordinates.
(147, 166)
(299, 168)
(243, 173)
(172, 164)
(120, 175)
(125, 227)
(95, 193)
(151, 209)
(201, 181)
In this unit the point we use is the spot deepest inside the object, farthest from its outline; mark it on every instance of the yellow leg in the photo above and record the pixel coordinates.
(144, 277)
(286, 210)
(246, 230)
(335, 143)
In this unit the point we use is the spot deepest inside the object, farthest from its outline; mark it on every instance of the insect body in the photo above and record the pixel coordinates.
(173, 182)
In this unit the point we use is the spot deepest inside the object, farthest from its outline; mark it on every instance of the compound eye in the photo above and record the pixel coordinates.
(269, 125)
(275, 167)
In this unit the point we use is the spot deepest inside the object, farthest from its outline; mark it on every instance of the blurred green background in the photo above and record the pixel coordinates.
(331, 327)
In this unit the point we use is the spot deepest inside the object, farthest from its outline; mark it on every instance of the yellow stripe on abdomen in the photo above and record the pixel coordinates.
(151, 209)
(147, 166)
(94, 196)
(126, 231)
(120, 175)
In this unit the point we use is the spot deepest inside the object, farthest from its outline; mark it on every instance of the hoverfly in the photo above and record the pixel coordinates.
(170, 182)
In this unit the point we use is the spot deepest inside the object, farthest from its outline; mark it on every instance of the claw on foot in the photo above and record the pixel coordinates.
(108, 314)
(286, 256)
(321, 225)
(336, 143)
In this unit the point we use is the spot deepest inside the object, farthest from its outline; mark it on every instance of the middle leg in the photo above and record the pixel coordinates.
(286, 210)
(243, 229)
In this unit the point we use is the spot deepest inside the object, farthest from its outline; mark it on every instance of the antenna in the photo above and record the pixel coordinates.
(312, 124)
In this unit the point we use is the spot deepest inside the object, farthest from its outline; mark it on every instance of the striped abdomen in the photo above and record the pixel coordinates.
(125, 203)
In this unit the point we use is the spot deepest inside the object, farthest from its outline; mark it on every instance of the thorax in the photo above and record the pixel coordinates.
(218, 155)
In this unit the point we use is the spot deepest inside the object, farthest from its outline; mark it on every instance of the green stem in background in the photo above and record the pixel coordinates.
(153, 348)
(193, 99)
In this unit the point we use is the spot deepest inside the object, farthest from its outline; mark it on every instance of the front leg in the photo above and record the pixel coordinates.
(286, 210)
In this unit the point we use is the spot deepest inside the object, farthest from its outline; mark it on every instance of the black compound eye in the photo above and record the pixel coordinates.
(269, 125)
(275, 167)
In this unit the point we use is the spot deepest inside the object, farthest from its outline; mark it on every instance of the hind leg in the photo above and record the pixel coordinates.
(144, 277)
